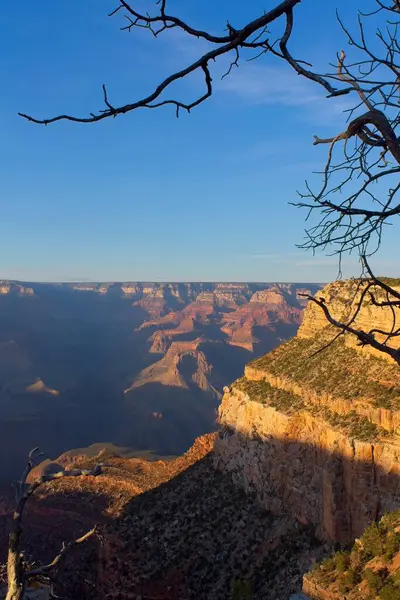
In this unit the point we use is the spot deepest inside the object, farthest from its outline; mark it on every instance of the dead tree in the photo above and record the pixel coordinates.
(360, 180)
(19, 574)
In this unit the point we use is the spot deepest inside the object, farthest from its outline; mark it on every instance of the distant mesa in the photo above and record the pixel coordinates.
(91, 287)
(129, 290)
(265, 308)
(272, 296)
(39, 387)
(184, 366)
(11, 287)
(238, 310)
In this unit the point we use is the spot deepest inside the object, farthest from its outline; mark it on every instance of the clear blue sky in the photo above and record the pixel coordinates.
(147, 196)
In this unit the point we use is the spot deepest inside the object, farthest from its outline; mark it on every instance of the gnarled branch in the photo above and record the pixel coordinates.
(17, 574)
(233, 41)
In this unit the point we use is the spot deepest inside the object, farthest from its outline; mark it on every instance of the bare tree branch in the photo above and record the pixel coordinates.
(46, 569)
(234, 41)
(359, 190)
(356, 220)
(365, 339)
(17, 573)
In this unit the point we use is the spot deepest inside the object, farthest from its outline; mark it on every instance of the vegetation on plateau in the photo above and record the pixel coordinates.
(339, 370)
(352, 424)
(370, 569)
(265, 393)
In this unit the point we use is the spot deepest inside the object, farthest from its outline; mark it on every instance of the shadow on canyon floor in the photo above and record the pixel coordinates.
(194, 535)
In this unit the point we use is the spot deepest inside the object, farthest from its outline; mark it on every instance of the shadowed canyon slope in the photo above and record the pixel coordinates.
(141, 365)
(170, 530)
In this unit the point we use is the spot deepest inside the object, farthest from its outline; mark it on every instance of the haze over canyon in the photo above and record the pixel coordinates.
(140, 365)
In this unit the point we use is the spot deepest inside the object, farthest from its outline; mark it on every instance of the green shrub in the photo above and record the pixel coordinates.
(342, 561)
(374, 580)
(372, 541)
(396, 578)
(392, 544)
(328, 564)
(351, 578)
(264, 392)
(389, 592)
(339, 370)
(242, 590)
(356, 560)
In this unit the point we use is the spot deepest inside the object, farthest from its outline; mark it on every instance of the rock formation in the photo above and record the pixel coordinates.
(172, 369)
(39, 387)
(90, 341)
(13, 287)
(245, 314)
(266, 308)
(343, 297)
(314, 431)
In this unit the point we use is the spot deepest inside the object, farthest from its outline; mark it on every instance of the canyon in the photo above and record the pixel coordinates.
(305, 459)
(141, 365)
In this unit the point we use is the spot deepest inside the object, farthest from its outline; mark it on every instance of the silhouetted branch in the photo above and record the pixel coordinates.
(246, 37)
(351, 221)
(364, 338)
(50, 567)
(17, 573)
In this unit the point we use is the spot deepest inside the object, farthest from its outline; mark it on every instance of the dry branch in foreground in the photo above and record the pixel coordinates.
(19, 575)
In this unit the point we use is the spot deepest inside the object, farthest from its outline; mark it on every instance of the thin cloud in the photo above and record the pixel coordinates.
(297, 260)
(263, 84)
(324, 262)
(78, 280)
(260, 84)
(281, 256)
(256, 83)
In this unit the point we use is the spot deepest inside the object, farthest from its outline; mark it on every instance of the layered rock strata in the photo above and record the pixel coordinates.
(314, 431)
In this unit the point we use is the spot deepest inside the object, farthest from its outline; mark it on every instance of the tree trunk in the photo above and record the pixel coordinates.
(15, 573)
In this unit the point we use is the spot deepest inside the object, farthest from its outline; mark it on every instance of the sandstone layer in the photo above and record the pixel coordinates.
(316, 431)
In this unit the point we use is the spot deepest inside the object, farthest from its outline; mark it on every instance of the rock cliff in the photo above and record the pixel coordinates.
(343, 297)
(184, 365)
(243, 315)
(314, 431)
(13, 287)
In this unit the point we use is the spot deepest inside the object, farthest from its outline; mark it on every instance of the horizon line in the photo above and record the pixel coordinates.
(142, 281)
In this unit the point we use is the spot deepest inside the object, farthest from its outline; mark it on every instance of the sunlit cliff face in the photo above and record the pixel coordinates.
(317, 432)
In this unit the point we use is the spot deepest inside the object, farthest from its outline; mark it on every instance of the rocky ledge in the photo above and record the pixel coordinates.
(314, 431)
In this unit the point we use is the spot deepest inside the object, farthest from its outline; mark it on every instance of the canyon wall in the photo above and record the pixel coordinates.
(316, 432)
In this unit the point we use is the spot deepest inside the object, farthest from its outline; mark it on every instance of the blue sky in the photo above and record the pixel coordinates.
(147, 196)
